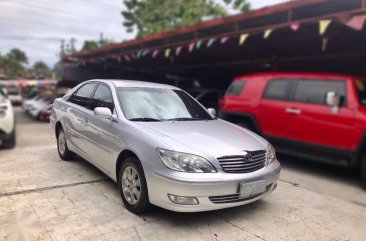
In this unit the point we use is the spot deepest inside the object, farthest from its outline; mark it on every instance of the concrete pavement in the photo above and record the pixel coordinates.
(45, 198)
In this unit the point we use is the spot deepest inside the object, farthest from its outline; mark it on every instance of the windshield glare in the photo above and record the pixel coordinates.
(150, 104)
(361, 89)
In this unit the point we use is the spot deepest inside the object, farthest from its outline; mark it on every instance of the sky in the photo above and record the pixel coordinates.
(38, 26)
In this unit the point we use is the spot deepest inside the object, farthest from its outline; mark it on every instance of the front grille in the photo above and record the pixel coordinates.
(233, 198)
(242, 164)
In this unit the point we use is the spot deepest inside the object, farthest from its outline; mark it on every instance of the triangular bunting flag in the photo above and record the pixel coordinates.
(146, 52)
(267, 33)
(191, 46)
(243, 38)
(167, 53)
(295, 26)
(178, 50)
(118, 59)
(155, 53)
(224, 40)
(198, 45)
(210, 42)
(357, 22)
(323, 25)
(127, 58)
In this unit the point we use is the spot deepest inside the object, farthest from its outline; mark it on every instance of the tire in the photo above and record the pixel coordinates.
(137, 184)
(10, 142)
(63, 151)
(363, 170)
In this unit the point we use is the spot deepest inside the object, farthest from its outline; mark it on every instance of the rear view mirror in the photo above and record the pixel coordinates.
(333, 99)
(212, 111)
(103, 113)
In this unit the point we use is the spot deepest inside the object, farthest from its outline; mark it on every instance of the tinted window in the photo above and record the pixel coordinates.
(85, 91)
(103, 97)
(315, 91)
(361, 89)
(236, 88)
(150, 104)
(278, 89)
(82, 95)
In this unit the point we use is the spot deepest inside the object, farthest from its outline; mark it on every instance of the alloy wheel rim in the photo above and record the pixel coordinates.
(131, 185)
(61, 143)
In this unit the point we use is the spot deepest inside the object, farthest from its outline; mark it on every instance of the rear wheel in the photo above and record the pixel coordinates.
(363, 170)
(63, 151)
(132, 186)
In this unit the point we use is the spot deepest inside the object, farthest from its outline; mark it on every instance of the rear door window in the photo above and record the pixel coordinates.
(314, 91)
(83, 94)
(361, 89)
(236, 88)
(278, 89)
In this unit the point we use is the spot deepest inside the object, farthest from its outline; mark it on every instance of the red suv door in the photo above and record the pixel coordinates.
(271, 110)
(310, 120)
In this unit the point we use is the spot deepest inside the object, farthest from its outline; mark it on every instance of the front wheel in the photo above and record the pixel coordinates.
(363, 170)
(132, 186)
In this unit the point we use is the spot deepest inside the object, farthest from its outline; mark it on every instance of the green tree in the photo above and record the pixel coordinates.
(154, 16)
(17, 55)
(240, 5)
(41, 70)
(90, 45)
(13, 63)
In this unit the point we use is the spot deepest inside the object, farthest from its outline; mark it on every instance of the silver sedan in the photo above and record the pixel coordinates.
(162, 147)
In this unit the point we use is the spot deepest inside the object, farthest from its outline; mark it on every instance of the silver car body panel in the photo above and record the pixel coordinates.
(101, 141)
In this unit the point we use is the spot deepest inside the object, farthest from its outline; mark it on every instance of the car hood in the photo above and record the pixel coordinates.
(215, 137)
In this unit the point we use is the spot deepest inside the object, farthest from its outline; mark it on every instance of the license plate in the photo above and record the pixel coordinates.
(252, 189)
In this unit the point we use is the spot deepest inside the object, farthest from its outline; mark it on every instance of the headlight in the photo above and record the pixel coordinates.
(271, 154)
(183, 162)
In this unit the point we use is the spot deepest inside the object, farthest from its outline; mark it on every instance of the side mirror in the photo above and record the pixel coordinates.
(212, 111)
(103, 113)
(333, 99)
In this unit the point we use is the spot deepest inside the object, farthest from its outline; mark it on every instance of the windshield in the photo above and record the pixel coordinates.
(361, 89)
(150, 104)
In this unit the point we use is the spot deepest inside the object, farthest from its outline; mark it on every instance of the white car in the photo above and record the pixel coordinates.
(15, 96)
(7, 122)
(37, 106)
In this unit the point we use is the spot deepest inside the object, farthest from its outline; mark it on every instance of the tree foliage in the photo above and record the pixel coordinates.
(90, 45)
(13, 63)
(41, 70)
(154, 16)
(240, 5)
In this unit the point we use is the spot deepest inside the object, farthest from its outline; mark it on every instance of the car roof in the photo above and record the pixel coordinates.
(324, 76)
(136, 83)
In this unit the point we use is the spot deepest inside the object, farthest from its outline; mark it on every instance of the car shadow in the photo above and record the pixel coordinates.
(350, 176)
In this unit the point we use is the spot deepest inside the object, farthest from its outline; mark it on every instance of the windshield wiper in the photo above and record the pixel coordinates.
(185, 119)
(144, 119)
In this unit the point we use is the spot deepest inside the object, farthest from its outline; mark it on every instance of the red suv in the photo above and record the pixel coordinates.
(315, 116)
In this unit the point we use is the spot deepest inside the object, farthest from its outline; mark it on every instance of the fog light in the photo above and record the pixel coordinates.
(183, 200)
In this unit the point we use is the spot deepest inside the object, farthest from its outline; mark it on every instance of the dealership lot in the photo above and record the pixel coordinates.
(48, 199)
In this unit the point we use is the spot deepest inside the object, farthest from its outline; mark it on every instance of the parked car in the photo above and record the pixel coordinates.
(28, 103)
(209, 98)
(162, 147)
(7, 122)
(15, 95)
(319, 117)
(36, 108)
(45, 113)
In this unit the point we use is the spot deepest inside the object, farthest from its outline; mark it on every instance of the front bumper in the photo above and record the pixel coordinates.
(223, 186)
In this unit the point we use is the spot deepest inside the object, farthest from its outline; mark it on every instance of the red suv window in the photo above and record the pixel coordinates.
(236, 88)
(314, 91)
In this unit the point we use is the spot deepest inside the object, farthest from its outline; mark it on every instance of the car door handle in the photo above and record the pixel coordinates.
(293, 111)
